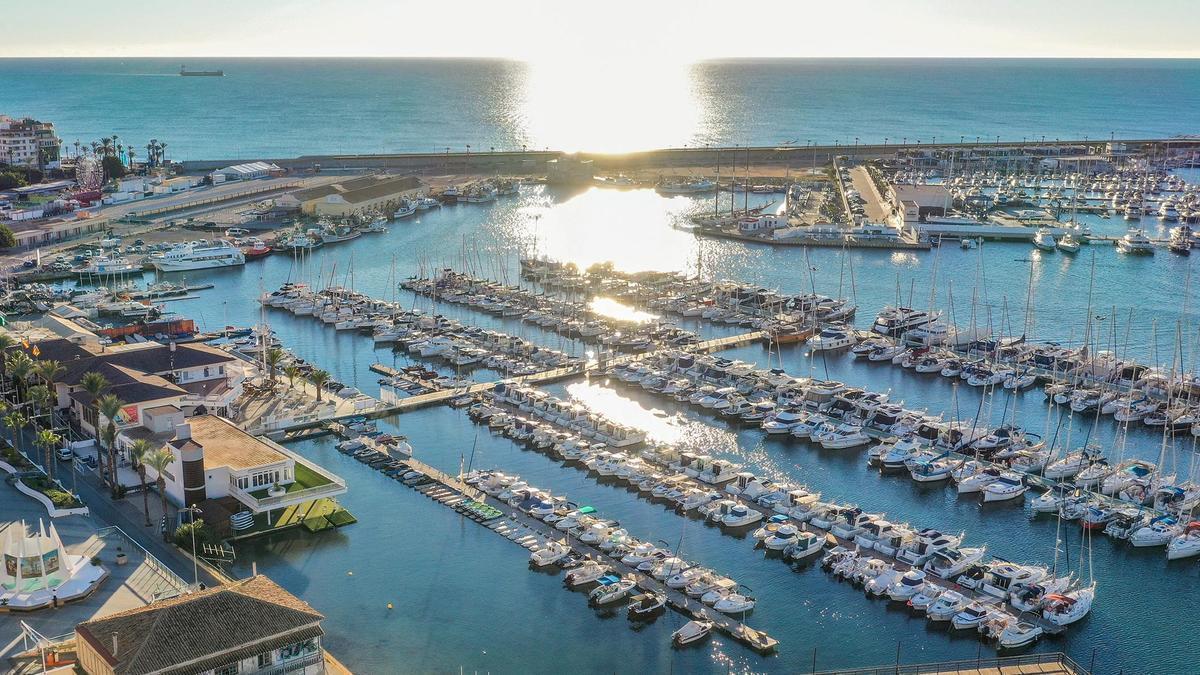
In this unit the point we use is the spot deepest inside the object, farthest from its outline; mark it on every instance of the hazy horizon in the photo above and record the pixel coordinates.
(622, 32)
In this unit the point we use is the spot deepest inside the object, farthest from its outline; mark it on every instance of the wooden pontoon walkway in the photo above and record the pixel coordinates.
(678, 601)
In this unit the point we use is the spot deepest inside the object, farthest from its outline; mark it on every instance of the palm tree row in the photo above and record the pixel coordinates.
(20, 371)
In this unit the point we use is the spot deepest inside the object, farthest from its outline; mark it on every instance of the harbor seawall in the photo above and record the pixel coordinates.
(534, 161)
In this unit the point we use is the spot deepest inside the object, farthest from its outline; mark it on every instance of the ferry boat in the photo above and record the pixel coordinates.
(110, 265)
(199, 257)
(1135, 242)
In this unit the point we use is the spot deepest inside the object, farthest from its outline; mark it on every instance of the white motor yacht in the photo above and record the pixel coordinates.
(1018, 634)
(741, 516)
(806, 545)
(588, 573)
(970, 616)
(1009, 485)
(1135, 242)
(606, 594)
(907, 586)
(947, 605)
(1158, 532)
(843, 436)
(549, 554)
(734, 603)
(785, 536)
(951, 562)
(831, 338)
(692, 631)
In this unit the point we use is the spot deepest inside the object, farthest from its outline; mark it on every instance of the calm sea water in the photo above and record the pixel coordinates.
(289, 107)
(463, 596)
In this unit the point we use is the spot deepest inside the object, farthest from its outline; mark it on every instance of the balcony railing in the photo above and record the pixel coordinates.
(292, 665)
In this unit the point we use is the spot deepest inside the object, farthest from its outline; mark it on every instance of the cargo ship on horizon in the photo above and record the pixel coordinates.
(200, 73)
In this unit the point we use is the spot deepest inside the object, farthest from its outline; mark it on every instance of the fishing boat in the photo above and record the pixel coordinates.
(406, 209)
(257, 249)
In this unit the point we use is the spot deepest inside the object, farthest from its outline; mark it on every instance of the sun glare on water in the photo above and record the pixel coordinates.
(611, 103)
(621, 312)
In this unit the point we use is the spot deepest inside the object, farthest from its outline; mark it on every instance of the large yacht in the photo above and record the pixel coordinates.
(1135, 242)
(895, 321)
(201, 256)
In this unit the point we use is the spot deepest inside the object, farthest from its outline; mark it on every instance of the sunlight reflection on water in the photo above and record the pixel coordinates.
(620, 311)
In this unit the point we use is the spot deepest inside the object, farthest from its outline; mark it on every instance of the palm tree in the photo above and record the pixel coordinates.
(109, 407)
(94, 383)
(319, 378)
(273, 357)
(159, 460)
(50, 370)
(140, 452)
(47, 440)
(291, 370)
(16, 421)
(19, 368)
(39, 398)
(6, 342)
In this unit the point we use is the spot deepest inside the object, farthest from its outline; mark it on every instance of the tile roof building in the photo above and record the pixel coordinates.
(247, 626)
(353, 196)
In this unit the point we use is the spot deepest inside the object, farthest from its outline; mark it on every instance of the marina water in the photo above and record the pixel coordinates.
(463, 596)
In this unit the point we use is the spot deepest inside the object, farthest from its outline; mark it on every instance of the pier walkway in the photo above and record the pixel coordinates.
(678, 601)
(689, 482)
(395, 406)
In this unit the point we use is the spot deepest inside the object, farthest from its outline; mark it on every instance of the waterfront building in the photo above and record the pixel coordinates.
(247, 171)
(353, 196)
(216, 460)
(247, 626)
(196, 378)
(28, 142)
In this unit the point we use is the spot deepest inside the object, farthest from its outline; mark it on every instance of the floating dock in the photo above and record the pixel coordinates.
(451, 492)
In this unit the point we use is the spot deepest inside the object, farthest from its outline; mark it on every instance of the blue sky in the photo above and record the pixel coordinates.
(571, 30)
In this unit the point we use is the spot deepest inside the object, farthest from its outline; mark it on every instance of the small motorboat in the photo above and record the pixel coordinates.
(646, 606)
(692, 631)
(614, 590)
(734, 603)
(1018, 634)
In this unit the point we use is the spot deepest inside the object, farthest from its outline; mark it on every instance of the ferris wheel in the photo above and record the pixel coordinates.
(89, 172)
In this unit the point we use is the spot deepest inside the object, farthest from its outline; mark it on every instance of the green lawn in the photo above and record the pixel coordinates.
(326, 512)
